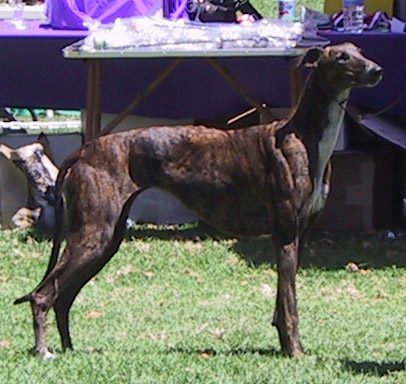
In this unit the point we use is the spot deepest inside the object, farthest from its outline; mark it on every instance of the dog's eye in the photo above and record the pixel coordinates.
(36, 175)
(39, 153)
(343, 57)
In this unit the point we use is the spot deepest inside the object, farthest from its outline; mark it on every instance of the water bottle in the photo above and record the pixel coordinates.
(353, 12)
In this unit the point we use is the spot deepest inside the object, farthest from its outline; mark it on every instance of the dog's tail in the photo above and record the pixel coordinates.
(58, 232)
(59, 221)
(57, 240)
(56, 246)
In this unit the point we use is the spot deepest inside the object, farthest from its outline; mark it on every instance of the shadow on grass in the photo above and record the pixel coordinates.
(182, 232)
(325, 250)
(331, 251)
(374, 368)
(209, 352)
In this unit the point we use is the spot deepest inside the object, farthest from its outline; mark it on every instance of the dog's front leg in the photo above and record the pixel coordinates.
(285, 316)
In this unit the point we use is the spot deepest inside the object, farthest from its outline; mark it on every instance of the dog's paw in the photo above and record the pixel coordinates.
(48, 355)
(44, 353)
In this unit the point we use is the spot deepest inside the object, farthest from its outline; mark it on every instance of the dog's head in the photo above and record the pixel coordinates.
(35, 161)
(343, 66)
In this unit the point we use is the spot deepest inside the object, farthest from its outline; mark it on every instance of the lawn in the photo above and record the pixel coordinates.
(177, 306)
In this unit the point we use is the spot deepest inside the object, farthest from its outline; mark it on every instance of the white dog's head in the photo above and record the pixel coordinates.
(35, 162)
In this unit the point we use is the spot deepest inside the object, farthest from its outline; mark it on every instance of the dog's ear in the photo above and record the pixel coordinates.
(43, 139)
(6, 151)
(311, 57)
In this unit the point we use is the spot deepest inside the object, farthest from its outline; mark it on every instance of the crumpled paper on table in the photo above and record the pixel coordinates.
(154, 32)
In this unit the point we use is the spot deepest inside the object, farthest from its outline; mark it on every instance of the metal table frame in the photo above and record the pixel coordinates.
(95, 58)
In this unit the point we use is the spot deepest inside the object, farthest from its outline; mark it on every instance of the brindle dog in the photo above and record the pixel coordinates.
(266, 179)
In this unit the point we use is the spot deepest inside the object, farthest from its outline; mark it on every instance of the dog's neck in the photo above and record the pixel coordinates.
(317, 119)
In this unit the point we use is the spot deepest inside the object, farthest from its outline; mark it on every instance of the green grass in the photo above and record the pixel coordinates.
(177, 307)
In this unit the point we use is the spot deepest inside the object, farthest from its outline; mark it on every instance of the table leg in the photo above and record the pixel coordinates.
(296, 83)
(93, 102)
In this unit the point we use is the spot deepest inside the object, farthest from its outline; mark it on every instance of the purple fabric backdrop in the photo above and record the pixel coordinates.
(71, 14)
(174, 9)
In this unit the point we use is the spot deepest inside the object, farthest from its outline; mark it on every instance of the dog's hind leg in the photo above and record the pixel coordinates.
(95, 224)
(78, 263)
(72, 287)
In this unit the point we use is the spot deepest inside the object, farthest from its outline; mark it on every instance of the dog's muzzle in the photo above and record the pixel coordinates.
(375, 74)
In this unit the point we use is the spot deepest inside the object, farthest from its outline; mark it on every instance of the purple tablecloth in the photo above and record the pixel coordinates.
(34, 74)
(33, 71)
